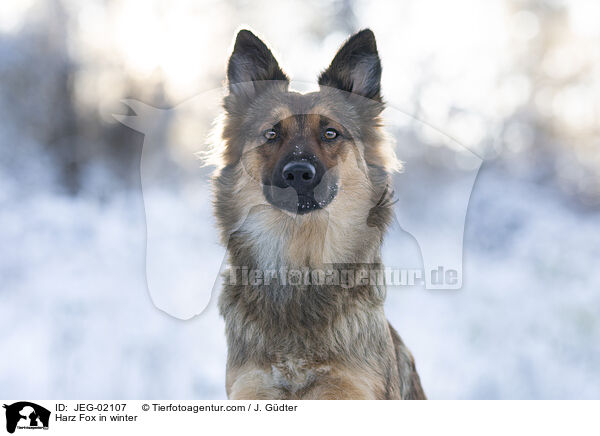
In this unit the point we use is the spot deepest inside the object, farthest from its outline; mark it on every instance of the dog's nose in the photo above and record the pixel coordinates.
(300, 175)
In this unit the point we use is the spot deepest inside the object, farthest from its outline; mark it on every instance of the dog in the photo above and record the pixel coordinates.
(303, 190)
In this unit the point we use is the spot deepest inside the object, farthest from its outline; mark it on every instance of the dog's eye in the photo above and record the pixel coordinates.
(330, 134)
(270, 134)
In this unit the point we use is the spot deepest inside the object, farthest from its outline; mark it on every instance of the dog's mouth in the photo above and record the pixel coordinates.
(289, 200)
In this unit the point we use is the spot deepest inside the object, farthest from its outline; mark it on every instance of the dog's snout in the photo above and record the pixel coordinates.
(300, 175)
(306, 175)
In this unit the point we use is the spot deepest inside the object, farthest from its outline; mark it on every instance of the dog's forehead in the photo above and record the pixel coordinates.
(278, 107)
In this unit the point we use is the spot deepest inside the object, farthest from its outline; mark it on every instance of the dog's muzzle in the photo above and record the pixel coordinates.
(301, 184)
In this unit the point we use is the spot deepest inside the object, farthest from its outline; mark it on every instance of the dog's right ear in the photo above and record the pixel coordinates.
(252, 66)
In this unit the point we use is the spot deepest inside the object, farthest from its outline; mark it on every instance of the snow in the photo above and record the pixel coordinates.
(78, 322)
(77, 319)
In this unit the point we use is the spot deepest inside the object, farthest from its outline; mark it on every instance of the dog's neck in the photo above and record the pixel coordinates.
(270, 239)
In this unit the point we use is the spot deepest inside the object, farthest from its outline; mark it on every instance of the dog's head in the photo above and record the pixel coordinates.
(307, 153)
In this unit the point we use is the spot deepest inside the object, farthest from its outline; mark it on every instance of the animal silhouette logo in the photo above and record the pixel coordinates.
(178, 203)
(182, 283)
(26, 415)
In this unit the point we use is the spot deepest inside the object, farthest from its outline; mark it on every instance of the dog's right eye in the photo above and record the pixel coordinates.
(270, 134)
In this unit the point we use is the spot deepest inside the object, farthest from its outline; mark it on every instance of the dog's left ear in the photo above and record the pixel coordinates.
(356, 67)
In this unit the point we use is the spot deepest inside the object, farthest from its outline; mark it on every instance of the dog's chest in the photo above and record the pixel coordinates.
(294, 375)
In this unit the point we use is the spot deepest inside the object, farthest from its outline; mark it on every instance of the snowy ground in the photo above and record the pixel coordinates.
(78, 323)
(526, 323)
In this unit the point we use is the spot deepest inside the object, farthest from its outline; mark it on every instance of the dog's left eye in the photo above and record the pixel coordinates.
(330, 134)
(270, 134)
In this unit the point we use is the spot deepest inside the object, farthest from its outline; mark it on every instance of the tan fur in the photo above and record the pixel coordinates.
(323, 237)
(332, 384)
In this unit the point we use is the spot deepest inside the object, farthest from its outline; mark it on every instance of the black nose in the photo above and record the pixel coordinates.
(300, 175)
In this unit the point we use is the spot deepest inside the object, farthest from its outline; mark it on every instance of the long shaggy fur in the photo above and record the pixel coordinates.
(308, 341)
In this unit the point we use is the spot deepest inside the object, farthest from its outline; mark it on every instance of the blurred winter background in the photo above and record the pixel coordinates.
(515, 81)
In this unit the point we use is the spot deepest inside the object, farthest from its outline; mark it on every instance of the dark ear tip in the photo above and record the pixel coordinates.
(244, 34)
(366, 33)
(245, 37)
(366, 39)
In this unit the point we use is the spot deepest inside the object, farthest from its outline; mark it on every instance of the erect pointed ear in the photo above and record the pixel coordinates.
(356, 67)
(250, 64)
